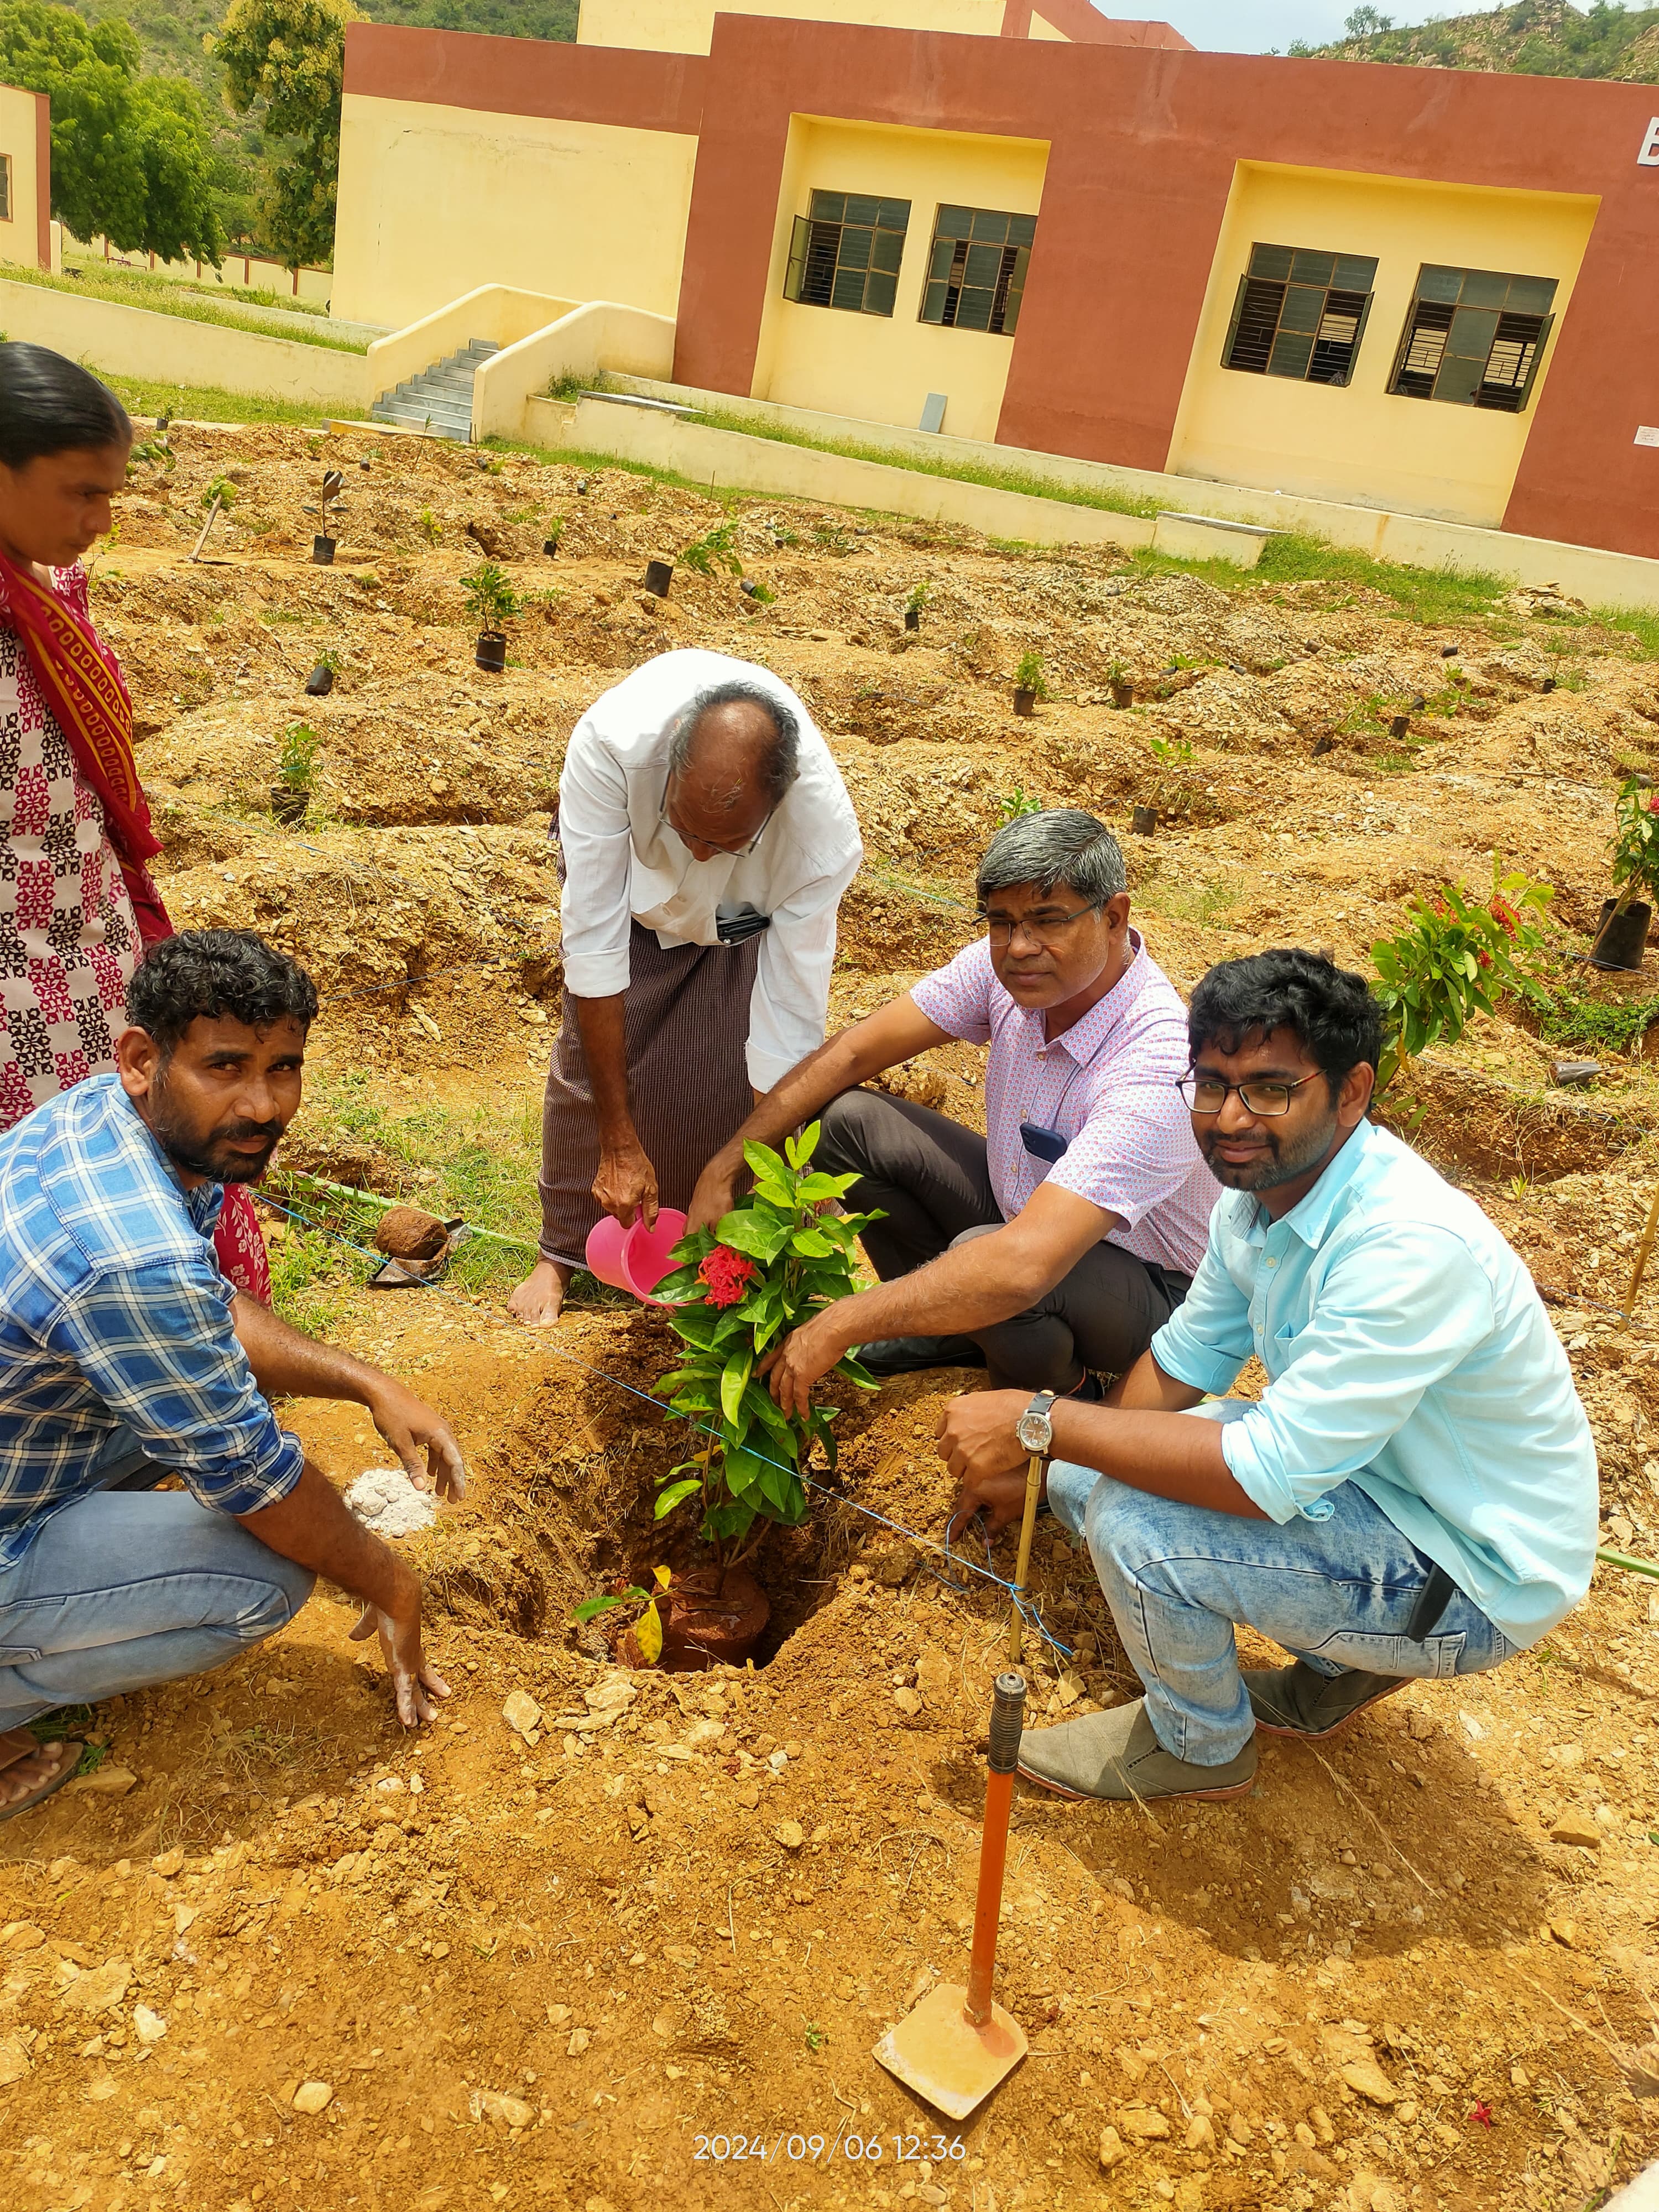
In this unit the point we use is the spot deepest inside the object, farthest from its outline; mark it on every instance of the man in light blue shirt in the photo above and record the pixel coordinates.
(1415, 1494)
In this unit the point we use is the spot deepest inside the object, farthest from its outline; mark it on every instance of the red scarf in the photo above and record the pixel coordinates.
(81, 682)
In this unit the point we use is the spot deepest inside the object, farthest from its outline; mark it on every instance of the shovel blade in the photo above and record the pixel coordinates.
(938, 2053)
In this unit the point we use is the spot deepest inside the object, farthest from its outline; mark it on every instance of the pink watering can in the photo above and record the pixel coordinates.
(635, 1258)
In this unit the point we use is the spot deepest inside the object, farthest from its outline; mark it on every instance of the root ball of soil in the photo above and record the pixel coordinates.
(407, 1233)
(708, 1622)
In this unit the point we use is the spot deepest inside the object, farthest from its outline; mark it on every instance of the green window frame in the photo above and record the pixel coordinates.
(1474, 337)
(976, 270)
(1300, 313)
(845, 252)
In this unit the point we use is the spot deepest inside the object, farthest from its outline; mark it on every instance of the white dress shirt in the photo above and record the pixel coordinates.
(623, 862)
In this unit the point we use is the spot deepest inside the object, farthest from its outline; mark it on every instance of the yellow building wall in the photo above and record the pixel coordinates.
(1362, 443)
(880, 367)
(435, 201)
(684, 27)
(20, 129)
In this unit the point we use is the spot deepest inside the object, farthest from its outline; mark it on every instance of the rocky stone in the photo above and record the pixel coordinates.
(894, 1568)
(580, 2040)
(1566, 1933)
(908, 1702)
(148, 2026)
(790, 1834)
(521, 1712)
(1200, 2132)
(1113, 2149)
(101, 1989)
(495, 2105)
(1144, 2123)
(106, 1781)
(168, 1863)
(1576, 1828)
(313, 2097)
(21, 1935)
(1366, 2079)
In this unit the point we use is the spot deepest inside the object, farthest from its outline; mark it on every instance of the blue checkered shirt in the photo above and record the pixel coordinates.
(114, 1314)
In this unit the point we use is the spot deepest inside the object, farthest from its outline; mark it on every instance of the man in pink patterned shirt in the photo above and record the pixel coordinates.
(1051, 1248)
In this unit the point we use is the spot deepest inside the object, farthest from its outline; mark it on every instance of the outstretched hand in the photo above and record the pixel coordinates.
(412, 1428)
(978, 1441)
(415, 1684)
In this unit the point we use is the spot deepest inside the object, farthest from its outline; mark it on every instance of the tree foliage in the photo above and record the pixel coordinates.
(129, 154)
(287, 59)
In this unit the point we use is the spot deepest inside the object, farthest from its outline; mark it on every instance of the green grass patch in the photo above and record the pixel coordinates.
(205, 403)
(133, 288)
(1209, 905)
(1602, 1025)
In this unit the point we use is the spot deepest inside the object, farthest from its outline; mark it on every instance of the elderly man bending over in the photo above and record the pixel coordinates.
(1059, 1242)
(705, 839)
(1414, 1493)
(125, 1355)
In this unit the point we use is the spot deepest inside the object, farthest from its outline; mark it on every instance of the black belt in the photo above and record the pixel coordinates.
(1436, 1595)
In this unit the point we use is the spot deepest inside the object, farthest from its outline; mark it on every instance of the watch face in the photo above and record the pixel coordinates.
(1034, 1431)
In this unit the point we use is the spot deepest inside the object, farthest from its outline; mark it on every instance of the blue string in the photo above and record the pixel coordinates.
(1021, 1600)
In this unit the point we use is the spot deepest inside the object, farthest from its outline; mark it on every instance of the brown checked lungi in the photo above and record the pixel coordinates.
(685, 1025)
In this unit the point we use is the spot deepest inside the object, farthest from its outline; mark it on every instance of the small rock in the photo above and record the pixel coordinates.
(908, 1702)
(790, 1834)
(1566, 1932)
(21, 1935)
(1304, 2134)
(1576, 1828)
(894, 1568)
(14, 2064)
(1321, 2123)
(1200, 2132)
(1422, 1727)
(1144, 2122)
(101, 1989)
(168, 1863)
(496, 2105)
(102, 2088)
(1366, 2079)
(106, 1782)
(313, 2097)
(148, 2026)
(521, 1712)
(1112, 2148)
(580, 2040)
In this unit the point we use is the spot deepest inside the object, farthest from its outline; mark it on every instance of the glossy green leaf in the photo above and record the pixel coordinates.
(676, 1495)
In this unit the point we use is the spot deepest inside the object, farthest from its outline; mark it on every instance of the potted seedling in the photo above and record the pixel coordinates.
(715, 550)
(490, 601)
(659, 576)
(768, 1265)
(322, 545)
(290, 795)
(320, 682)
(1458, 958)
(914, 605)
(554, 531)
(1030, 685)
(1119, 683)
(1622, 933)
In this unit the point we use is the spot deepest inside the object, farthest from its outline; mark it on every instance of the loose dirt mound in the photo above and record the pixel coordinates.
(637, 1940)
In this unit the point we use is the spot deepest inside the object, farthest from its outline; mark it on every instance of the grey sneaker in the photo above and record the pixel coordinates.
(1116, 1755)
(1296, 1701)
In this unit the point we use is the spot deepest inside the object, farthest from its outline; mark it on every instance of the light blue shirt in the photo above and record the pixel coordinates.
(1407, 1352)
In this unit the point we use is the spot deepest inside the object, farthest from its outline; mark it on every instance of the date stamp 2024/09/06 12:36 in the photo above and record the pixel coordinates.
(821, 2150)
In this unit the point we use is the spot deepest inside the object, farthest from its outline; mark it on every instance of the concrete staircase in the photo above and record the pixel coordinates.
(440, 400)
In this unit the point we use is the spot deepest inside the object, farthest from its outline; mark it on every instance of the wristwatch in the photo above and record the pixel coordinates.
(1034, 1428)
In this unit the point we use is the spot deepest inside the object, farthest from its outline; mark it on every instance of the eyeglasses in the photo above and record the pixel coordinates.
(1204, 1094)
(666, 820)
(1041, 928)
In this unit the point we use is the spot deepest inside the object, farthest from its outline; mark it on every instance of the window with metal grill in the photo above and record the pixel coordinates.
(1300, 314)
(976, 270)
(1474, 337)
(5, 187)
(845, 252)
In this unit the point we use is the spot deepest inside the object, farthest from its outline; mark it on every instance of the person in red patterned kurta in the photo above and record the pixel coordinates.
(78, 906)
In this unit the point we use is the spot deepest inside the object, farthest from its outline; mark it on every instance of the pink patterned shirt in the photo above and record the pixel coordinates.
(69, 942)
(1108, 1085)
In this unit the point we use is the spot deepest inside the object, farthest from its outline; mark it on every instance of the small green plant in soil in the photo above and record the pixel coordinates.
(768, 1265)
(221, 489)
(1602, 1025)
(1636, 842)
(298, 756)
(1460, 956)
(429, 526)
(918, 599)
(156, 450)
(491, 601)
(1028, 676)
(1010, 805)
(716, 551)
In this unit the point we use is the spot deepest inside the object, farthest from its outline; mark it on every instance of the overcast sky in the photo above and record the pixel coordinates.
(1252, 26)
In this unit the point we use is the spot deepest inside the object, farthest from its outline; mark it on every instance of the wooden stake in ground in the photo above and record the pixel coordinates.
(1643, 1252)
(213, 516)
(1016, 1619)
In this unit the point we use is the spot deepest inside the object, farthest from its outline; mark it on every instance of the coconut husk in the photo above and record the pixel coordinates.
(407, 1233)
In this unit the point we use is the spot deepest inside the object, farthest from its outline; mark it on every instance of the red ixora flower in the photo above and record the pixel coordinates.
(1653, 802)
(726, 1273)
(1503, 914)
(1482, 2113)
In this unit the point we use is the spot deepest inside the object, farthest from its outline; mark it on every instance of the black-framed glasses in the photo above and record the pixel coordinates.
(1039, 927)
(1207, 1094)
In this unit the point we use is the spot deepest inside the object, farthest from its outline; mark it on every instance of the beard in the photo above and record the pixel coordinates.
(210, 1154)
(1281, 1160)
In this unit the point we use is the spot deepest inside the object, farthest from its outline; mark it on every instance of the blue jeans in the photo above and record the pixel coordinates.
(1337, 1593)
(125, 1588)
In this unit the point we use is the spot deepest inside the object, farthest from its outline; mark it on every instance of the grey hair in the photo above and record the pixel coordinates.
(1062, 845)
(780, 765)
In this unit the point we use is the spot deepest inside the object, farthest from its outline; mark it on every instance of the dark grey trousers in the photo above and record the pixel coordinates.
(930, 1177)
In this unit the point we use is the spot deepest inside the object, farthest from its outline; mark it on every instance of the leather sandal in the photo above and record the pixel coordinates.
(21, 1743)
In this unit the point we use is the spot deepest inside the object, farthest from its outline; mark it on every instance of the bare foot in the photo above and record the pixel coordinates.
(538, 1299)
(38, 1768)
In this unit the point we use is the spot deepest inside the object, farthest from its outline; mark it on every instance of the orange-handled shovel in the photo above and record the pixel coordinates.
(958, 2044)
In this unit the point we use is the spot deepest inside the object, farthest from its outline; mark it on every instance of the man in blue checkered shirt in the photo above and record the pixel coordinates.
(125, 1355)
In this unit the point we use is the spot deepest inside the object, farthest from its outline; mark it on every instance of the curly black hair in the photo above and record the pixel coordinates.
(214, 972)
(1329, 1008)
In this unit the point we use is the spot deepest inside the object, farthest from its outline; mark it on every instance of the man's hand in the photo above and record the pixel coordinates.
(415, 1683)
(411, 1427)
(978, 1442)
(714, 1198)
(802, 1359)
(627, 1183)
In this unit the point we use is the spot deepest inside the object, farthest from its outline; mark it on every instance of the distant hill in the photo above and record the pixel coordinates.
(1533, 38)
